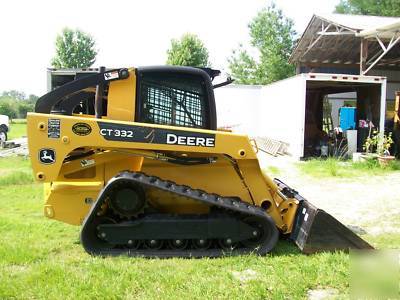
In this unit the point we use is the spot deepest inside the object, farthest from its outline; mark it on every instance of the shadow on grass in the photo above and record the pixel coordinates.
(286, 247)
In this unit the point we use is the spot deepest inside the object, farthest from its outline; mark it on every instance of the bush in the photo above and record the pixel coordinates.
(8, 108)
(14, 105)
(24, 108)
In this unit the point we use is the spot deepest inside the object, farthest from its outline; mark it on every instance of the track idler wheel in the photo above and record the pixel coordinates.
(201, 244)
(133, 244)
(96, 237)
(178, 244)
(227, 244)
(154, 244)
(127, 199)
(265, 234)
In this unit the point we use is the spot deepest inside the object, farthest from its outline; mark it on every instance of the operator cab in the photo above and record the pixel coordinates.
(165, 95)
(176, 96)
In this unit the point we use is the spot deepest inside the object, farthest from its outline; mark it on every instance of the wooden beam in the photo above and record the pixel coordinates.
(392, 43)
(315, 41)
(316, 65)
(363, 55)
(334, 33)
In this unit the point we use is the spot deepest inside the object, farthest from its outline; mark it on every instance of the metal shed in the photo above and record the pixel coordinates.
(347, 58)
(349, 42)
(290, 110)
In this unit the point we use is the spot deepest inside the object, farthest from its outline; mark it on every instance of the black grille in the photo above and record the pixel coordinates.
(170, 104)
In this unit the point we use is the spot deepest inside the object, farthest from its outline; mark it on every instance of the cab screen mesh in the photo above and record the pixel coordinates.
(172, 101)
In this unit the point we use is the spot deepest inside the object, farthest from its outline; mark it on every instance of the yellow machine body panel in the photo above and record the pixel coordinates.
(121, 98)
(87, 176)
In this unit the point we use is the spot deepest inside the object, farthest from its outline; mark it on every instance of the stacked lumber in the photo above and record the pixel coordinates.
(14, 147)
(271, 146)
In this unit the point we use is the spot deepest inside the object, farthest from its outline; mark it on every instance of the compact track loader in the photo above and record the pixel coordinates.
(135, 156)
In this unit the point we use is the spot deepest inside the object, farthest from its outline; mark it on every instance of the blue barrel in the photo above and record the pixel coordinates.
(347, 118)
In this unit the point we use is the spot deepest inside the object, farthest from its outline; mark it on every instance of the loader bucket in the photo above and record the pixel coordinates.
(314, 230)
(317, 231)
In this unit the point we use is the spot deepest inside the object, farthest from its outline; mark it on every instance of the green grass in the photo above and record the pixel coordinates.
(18, 121)
(12, 167)
(273, 171)
(42, 259)
(335, 168)
(17, 129)
(17, 178)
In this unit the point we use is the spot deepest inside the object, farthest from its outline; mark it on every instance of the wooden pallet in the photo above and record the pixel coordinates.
(271, 146)
(14, 147)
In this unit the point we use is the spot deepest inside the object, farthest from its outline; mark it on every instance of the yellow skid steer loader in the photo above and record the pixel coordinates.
(135, 156)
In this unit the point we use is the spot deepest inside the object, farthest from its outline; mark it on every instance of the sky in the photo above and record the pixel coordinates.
(128, 33)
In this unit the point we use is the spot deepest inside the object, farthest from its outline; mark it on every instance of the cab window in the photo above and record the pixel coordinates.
(172, 99)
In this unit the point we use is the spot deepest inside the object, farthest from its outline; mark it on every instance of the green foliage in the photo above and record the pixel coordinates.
(390, 8)
(378, 143)
(14, 95)
(331, 167)
(272, 36)
(188, 51)
(32, 98)
(15, 104)
(74, 49)
(8, 108)
(18, 129)
(24, 108)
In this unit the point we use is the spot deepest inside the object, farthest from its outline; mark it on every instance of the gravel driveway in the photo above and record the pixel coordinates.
(371, 203)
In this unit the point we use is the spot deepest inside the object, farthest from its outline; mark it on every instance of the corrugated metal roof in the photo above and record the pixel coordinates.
(358, 22)
(334, 40)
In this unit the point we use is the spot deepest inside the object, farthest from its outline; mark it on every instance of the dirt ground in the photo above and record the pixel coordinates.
(368, 204)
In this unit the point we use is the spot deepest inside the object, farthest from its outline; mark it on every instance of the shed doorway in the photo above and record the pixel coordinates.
(324, 99)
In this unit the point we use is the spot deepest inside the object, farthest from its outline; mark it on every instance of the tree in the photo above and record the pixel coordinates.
(23, 108)
(32, 98)
(390, 8)
(272, 36)
(188, 51)
(15, 104)
(74, 49)
(9, 109)
(14, 94)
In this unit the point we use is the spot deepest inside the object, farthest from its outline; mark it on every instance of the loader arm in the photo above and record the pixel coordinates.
(46, 103)
(126, 140)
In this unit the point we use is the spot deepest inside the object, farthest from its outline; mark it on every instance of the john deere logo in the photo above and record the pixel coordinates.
(47, 156)
(81, 129)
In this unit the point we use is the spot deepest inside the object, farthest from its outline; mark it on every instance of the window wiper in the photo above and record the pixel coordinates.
(229, 80)
(173, 97)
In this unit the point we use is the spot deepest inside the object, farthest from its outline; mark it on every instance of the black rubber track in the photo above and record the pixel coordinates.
(95, 246)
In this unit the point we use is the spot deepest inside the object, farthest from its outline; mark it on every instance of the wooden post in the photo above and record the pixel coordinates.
(298, 68)
(396, 109)
(396, 127)
(363, 55)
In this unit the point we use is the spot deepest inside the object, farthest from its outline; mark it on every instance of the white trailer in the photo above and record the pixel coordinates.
(287, 109)
(59, 77)
(4, 127)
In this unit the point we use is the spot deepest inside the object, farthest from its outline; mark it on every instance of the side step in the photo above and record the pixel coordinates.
(316, 231)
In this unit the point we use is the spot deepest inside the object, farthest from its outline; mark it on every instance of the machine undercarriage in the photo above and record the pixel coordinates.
(122, 221)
